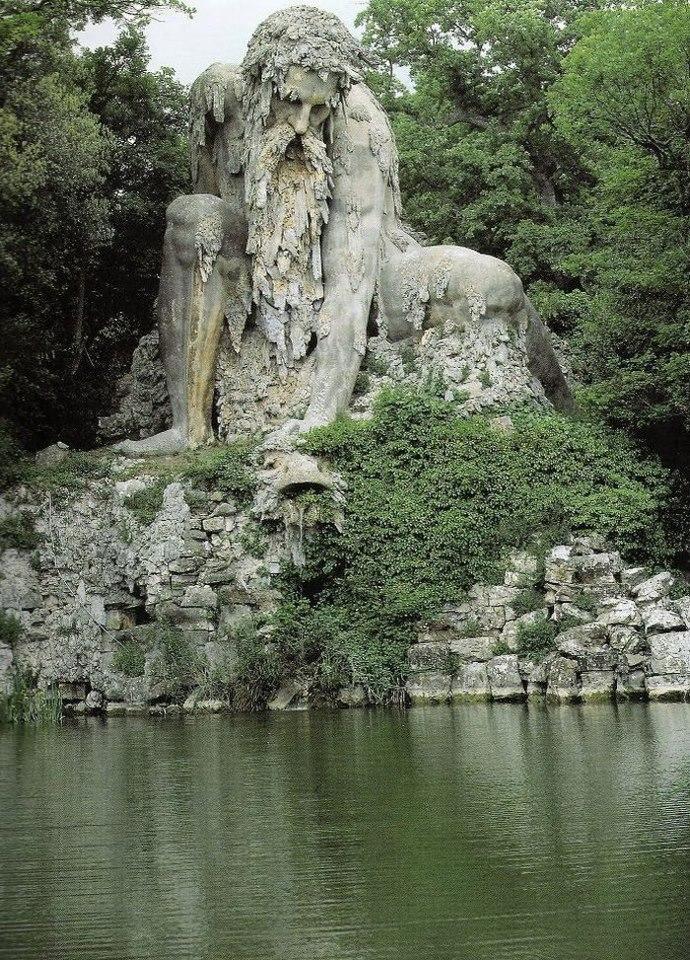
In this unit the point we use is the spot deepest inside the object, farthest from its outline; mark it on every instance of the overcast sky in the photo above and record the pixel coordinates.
(219, 31)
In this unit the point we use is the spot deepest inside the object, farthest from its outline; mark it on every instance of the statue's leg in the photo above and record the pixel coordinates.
(436, 286)
(204, 271)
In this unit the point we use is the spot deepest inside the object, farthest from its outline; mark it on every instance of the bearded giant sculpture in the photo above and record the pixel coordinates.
(293, 240)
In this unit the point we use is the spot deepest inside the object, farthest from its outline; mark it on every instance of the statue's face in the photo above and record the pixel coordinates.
(305, 104)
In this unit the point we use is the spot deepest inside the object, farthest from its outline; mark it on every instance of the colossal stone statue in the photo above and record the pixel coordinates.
(293, 235)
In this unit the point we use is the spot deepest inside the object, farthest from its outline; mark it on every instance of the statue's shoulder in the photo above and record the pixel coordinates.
(362, 106)
(367, 123)
(216, 91)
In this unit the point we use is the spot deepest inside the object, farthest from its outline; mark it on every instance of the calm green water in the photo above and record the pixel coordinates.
(478, 832)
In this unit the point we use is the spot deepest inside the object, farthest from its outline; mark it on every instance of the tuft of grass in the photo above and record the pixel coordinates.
(527, 601)
(130, 658)
(10, 629)
(146, 504)
(536, 639)
(25, 703)
(17, 531)
(362, 384)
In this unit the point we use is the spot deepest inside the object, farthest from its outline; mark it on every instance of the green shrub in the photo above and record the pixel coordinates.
(259, 668)
(584, 601)
(226, 468)
(536, 639)
(130, 658)
(146, 504)
(10, 629)
(11, 458)
(434, 502)
(471, 628)
(376, 365)
(408, 358)
(71, 474)
(500, 647)
(178, 666)
(17, 531)
(362, 384)
(527, 601)
(26, 703)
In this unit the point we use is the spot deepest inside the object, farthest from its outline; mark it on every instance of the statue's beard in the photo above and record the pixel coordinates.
(289, 187)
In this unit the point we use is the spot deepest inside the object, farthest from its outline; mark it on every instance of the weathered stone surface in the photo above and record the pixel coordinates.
(430, 655)
(631, 685)
(620, 612)
(673, 688)
(472, 648)
(471, 683)
(291, 696)
(659, 619)
(504, 678)
(654, 589)
(352, 696)
(671, 653)
(428, 687)
(626, 638)
(563, 685)
(583, 639)
(597, 686)
(53, 455)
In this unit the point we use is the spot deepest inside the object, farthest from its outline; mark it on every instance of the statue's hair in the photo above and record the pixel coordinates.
(299, 36)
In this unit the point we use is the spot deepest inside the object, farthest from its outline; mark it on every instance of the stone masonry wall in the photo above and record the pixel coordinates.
(621, 632)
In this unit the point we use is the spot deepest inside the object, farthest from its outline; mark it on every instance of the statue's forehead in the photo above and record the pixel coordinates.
(309, 86)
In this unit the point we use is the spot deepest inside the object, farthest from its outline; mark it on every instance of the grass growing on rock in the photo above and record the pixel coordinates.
(25, 703)
(433, 503)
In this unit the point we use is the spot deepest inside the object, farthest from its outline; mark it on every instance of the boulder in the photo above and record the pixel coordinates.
(619, 612)
(626, 638)
(431, 687)
(659, 619)
(670, 653)
(597, 686)
(53, 455)
(471, 684)
(353, 695)
(667, 688)
(631, 685)
(582, 639)
(655, 588)
(473, 648)
(504, 678)
(682, 605)
(431, 655)
(291, 696)
(563, 685)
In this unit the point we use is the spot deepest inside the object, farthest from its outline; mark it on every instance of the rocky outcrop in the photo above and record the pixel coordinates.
(600, 630)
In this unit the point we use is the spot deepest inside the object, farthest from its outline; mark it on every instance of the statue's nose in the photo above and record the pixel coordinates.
(300, 121)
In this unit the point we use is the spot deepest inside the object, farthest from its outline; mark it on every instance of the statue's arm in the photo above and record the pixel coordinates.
(350, 252)
(215, 131)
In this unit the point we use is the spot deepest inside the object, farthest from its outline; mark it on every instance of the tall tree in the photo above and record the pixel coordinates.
(91, 147)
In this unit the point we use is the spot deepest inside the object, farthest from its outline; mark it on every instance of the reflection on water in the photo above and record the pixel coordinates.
(480, 832)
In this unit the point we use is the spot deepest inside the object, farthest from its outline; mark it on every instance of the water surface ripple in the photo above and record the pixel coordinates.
(483, 832)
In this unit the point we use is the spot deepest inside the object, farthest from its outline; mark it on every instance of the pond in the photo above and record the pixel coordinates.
(441, 832)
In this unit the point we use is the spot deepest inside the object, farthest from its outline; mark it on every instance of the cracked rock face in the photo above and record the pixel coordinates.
(632, 641)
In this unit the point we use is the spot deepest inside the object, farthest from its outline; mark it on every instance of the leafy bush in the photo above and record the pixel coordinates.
(10, 458)
(26, 703)
(130, 658)
(227, 468)
(179, 665)
(145, 504)
(434, 501)
(536, 639)
(10, 629)
(527, 601)
(17, 531)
